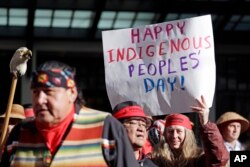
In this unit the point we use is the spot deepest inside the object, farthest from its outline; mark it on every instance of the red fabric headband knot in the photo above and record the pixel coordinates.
(178, 119)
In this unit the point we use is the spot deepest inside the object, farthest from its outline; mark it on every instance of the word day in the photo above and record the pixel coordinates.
(162, 84)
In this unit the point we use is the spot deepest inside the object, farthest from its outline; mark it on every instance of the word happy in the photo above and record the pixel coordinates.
(154, 34)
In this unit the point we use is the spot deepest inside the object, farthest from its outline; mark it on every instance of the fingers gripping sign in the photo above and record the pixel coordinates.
(202, 110)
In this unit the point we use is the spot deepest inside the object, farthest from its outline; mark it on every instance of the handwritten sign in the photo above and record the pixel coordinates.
(164, 67)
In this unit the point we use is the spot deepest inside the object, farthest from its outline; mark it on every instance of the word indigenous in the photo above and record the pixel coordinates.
(161, 49)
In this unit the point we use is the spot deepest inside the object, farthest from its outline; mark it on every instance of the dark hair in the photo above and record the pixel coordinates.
(48, 65)
(122, 105)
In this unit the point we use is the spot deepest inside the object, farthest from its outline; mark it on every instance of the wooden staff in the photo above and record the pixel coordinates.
(8, 110)
(18, 67)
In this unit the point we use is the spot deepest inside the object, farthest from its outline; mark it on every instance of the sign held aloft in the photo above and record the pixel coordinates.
(164, 66)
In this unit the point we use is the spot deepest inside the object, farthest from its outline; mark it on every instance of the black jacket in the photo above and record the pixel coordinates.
(146, 162)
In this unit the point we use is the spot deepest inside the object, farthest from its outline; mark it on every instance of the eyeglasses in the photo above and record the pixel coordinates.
(135, 123)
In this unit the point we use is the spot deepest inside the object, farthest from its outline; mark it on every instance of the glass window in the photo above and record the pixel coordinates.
(106, 20)
(3, 16)
(62, 18)
(18, 17)
(144, 18)
(43, 18)
(82, 19)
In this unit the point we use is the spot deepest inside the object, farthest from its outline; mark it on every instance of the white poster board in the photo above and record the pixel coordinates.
(163, 67)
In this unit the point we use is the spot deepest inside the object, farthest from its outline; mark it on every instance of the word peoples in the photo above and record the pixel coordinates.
(163, 67)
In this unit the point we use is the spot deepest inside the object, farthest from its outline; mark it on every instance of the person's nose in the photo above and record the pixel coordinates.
(41, 97)
(141, 126)
(175, 134)
(238, 128)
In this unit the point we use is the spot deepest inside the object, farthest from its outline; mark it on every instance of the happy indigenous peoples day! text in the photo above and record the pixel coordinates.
(147, 46)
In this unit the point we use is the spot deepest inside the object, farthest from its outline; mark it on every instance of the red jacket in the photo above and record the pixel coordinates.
(216, 153)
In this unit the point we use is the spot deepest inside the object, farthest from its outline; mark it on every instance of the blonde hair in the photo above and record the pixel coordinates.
(187, 155)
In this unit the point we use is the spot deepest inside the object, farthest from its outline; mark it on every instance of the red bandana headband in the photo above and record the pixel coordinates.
(178, 119)
(130, 111)
(52, 78)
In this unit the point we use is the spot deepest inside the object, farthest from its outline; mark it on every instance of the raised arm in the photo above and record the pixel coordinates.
(202, 110)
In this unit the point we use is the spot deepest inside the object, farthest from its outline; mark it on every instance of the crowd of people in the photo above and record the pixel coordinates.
(59, 130)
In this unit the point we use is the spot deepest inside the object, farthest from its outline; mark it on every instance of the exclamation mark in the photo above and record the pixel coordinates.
(182, 82)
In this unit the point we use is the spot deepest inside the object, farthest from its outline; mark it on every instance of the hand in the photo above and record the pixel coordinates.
(202, 110)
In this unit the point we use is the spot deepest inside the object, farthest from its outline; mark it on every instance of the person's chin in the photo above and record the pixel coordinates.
(140, 143)
(43, 117)
(175, 146)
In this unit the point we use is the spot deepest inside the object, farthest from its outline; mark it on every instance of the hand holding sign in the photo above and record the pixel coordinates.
(202, 110)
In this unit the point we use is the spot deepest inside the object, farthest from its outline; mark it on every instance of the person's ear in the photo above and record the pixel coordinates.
(73, 94)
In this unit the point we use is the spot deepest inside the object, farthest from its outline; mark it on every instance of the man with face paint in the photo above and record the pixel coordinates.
(65, 132)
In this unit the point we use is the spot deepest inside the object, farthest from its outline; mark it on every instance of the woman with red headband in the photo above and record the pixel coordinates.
(178, 146)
